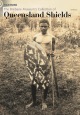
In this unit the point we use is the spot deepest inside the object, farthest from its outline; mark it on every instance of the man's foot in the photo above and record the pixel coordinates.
(31, 105)
(44, 106)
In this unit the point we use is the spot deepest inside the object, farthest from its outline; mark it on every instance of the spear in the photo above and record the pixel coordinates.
(54, 78)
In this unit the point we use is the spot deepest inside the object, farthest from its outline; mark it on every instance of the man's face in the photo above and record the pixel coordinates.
(44, 27)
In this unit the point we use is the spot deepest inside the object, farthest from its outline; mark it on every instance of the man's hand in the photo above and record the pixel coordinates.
(50, 53)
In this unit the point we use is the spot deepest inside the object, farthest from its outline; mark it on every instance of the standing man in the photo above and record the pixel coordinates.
(47, 42)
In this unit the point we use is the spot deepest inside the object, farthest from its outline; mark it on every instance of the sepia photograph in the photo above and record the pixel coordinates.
(39, 57)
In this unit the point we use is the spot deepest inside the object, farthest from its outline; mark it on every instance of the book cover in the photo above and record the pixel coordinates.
(19, 24)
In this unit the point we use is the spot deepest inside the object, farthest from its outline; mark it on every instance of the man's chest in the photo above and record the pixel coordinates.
(43, 39)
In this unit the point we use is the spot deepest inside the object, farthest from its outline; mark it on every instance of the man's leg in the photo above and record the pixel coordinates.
(45, 93)
(33, 91)
(44, 105)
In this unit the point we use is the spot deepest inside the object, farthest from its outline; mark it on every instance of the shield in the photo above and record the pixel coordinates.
(37, 64)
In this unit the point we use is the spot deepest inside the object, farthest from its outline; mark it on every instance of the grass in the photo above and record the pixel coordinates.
(15, 90)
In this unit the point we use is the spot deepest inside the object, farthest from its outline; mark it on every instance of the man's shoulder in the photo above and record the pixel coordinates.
(35, 36)
(52, 36)
(48, 36)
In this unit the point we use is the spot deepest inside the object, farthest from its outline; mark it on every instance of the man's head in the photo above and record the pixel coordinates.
(44, 25)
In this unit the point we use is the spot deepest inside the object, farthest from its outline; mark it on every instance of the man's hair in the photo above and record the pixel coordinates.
(44, 21)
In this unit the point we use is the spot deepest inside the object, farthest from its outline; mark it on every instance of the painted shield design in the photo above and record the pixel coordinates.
(37, 64)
